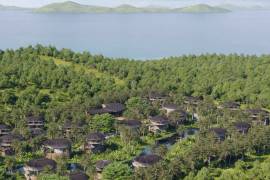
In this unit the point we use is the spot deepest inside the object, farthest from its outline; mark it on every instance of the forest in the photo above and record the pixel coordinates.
(65, 115)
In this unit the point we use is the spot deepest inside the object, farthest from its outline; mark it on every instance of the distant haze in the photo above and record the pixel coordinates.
(168, 3)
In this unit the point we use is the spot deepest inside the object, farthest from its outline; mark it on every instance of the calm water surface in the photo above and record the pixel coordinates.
(140, 36)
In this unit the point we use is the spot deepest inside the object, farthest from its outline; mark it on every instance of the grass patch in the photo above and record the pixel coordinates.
(82, 68)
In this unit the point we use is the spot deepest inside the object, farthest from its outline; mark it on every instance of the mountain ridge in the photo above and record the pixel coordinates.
(73, 7)
(12, 8)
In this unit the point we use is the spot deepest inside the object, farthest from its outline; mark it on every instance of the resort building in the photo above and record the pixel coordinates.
(96, 111)
(6, 143)
(259, 116)
(242, 127)
(191, 104)
(192, 101)
(219, 133)
(115, 109)
(70, 127)
(4, 129)
(95, 142)
(178, 117)
(78, 176)
(169, 108)
(132, 124)
(156, 96)
(55, 148)
(144, 161)
(233, 106)
(35, 124)
(36, 166)
(100, 165)
(158, 123)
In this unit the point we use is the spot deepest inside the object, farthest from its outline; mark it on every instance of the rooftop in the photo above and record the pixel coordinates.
(230, 105)
(58, 143)
(242, 126)
(114, 107)
(78, 176)
(219, 131)
(95, 137)
(156, 95)
(170, 106)
(148, 159)
(159, 119)
(42, 163)
(4, 126)
(102, 164)
(131, 123)
(33, 118)
(95, 111)
(11, 137)
(257, 111)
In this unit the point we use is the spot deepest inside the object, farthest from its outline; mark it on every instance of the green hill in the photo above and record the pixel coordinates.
(11, 8)
(202, 8)
(72, 7)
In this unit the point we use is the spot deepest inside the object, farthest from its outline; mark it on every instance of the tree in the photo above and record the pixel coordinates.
(103, 123)
(8, 97)
(87, 164)
(137, 108)
(117, 171)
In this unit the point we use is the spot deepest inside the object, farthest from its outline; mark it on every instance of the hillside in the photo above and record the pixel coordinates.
(11, 8)
(232, 7)
(72, 7)
(202, 8)
(125, 113)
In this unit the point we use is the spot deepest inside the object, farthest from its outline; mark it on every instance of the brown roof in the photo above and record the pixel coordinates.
(148, 159)
(242, 126)
(131, 123)
(219, 131)
(230, 105)
(42, 163)
(257, 111)
(58, 143)
(9, 138)
(159, 119)
(35, 119)
(102, 164)
(114, 107)
(95, 137)
(170, 106)
(156, 95)
(78, 176)
(4, 126)
(95, 111)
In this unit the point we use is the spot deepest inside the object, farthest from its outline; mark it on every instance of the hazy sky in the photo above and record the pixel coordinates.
(174, 3)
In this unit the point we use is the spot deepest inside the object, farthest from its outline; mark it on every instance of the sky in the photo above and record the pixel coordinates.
(170, 3)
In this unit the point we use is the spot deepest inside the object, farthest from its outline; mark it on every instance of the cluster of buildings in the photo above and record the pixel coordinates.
(96, 142)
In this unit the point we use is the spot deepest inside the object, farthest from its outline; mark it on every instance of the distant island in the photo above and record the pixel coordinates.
(72, 7)
(12, 8)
